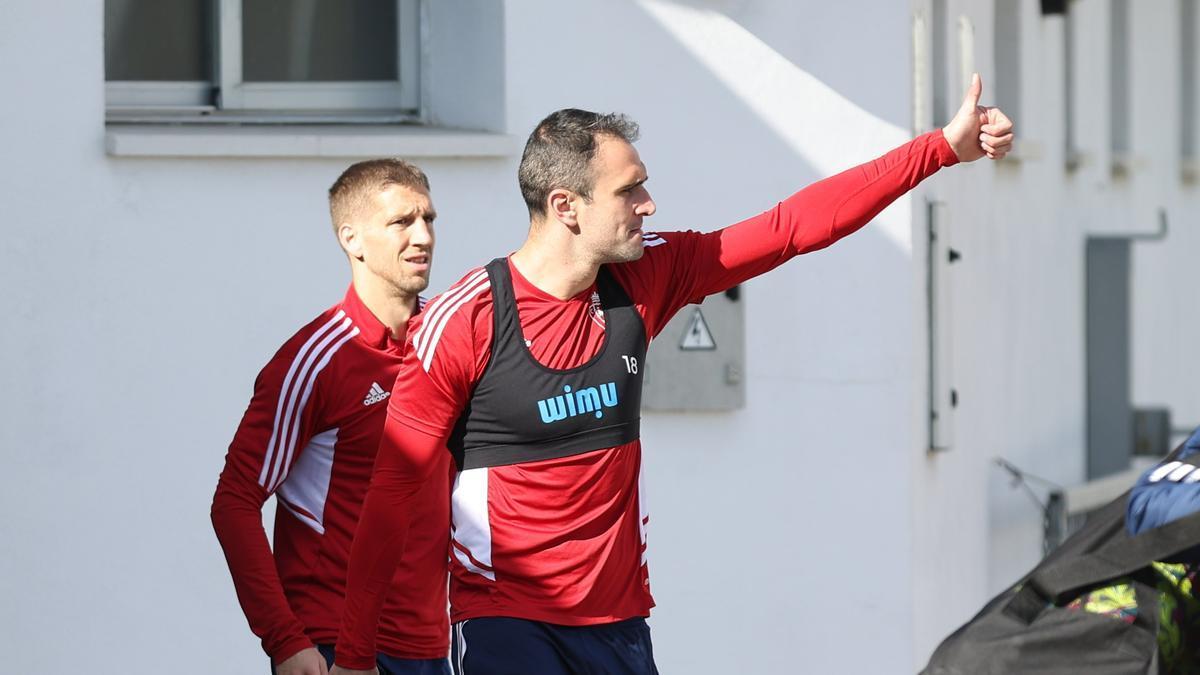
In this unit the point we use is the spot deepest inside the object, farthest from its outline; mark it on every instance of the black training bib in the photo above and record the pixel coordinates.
(522, 411)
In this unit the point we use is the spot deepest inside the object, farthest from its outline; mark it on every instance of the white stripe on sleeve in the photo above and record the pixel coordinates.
(309, 380)
(1163, 471)
(432, 341)
(285, 391)
(437, 308)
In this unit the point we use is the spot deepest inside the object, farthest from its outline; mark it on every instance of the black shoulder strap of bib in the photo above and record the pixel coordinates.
(612, 293)
(504, 307)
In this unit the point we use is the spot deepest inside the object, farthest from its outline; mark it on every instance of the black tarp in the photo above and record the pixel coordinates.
(1027, 630)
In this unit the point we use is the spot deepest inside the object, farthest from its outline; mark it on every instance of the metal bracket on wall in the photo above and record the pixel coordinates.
(1159, 234)
(943, 397)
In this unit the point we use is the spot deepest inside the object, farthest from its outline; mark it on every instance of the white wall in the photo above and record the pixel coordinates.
(1017, 327)
(146, 293)
(1166, 324)
(1020, 359)
(142, 295)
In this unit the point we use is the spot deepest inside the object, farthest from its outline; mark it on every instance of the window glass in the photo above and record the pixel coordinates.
(319, 40)
(1187, 74)
(158, 41)
(941, 72)
(1008, 56)
(1120, 87)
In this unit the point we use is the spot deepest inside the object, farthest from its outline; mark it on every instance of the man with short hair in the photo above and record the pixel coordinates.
(310, 435)
(529, 372)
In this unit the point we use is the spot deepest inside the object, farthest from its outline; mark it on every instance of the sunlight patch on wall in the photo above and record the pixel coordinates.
(820, 125)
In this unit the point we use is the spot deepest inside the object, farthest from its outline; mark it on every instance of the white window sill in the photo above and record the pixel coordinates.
(347, 141)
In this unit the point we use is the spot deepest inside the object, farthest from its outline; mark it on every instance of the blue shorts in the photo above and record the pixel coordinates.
(391, 665)
(506, 646)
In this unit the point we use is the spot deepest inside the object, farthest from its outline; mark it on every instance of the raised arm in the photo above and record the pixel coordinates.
(835, 207)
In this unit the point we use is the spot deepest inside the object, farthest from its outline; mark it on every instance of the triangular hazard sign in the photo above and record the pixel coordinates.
(697, 335)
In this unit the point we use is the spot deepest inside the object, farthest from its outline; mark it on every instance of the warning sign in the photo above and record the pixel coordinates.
(697, 336)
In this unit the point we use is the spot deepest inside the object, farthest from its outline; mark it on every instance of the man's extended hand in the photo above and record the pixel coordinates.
(977, 131)
(304, 662)
(338, 670)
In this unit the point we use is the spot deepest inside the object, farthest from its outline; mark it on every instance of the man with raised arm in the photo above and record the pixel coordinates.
(528, 373)
(309, 438)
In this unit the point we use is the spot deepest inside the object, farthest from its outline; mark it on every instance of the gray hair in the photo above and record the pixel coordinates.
(559, 153)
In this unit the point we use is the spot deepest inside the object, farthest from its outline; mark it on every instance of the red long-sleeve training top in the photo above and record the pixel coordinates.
(563, 540)
(309, 437)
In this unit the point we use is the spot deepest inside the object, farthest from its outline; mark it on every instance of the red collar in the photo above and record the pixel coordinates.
(370, 329)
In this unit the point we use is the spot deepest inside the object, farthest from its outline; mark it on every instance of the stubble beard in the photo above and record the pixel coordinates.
(622, 251)
(626, 252)
(408, 284)
(411, 284)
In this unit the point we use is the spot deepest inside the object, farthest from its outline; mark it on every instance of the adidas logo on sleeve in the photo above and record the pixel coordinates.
(376, 394)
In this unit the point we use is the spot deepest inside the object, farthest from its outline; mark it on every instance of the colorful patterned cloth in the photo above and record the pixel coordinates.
(1179, 614)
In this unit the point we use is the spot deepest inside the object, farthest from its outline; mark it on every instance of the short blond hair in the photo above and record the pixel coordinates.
(350, 192)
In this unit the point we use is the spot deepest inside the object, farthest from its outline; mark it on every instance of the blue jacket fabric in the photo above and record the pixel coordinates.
(1167, 492)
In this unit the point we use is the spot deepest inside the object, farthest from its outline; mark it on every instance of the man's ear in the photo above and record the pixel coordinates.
(560, 204)
(347, 235)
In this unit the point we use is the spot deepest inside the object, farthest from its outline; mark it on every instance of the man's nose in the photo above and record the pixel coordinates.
(422, 234)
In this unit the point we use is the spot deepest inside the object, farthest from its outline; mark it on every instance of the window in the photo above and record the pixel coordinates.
(262, 60)
(941, 75)
(1070, 143)
(933, 84)
(1187, 87)
(922, 114)
(1008, 56)
(966, 63)
(1119, 132)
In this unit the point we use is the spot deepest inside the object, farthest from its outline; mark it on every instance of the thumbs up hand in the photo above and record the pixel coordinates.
(977, 131)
